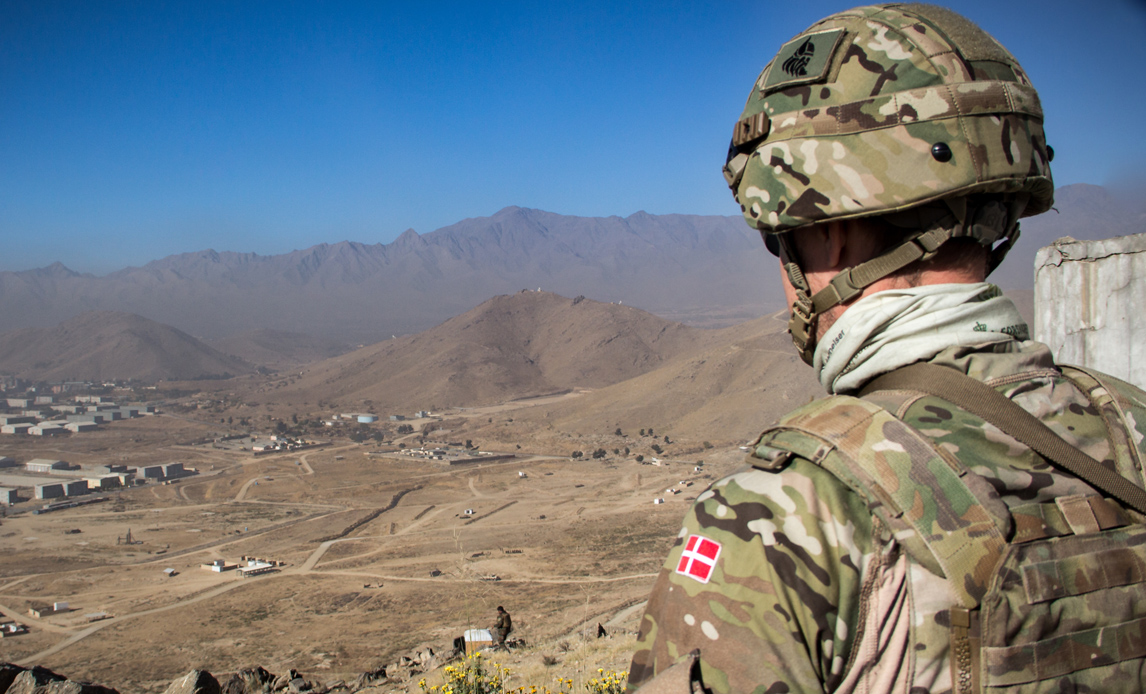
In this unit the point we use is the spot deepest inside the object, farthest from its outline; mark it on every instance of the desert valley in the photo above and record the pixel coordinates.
(334, 500)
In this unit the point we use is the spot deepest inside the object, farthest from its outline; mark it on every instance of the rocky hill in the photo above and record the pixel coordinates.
(619, 367)
(727, 389)
(525, 344)
(108, 345)
(276, 349)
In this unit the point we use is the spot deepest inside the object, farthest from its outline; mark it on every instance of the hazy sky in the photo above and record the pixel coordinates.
(131, 131)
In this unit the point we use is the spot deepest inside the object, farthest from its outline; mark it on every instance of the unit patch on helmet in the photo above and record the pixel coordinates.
(804, 59)
(698, 558)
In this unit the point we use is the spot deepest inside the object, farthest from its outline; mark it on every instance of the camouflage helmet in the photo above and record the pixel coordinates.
(882, 109)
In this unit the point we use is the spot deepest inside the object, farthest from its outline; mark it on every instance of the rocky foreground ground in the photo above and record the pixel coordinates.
(570, 657)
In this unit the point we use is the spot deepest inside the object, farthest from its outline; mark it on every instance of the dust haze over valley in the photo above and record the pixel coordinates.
(574, 415)
(473, 439)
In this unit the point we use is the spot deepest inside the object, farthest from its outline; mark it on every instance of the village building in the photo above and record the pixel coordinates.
(54, 490)
(43, 465)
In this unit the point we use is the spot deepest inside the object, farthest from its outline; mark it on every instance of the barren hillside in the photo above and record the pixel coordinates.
(525, 344)
(277, 348)
(728, 389)
(105, 345)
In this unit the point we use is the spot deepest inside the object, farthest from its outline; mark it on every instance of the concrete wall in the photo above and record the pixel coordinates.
(49, 491)
(1090, 304)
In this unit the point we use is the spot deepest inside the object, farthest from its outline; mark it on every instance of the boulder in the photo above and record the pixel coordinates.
(8, 673)
(283, 681)
(73, 687)
(370, 679)
(251, 680)
(29, 681)
(195, 682)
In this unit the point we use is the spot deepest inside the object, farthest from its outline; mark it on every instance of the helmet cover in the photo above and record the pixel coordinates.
(881, 109)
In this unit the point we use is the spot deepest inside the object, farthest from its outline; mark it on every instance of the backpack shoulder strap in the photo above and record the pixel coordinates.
(990, 405)
(1123, 410)
(909, 483)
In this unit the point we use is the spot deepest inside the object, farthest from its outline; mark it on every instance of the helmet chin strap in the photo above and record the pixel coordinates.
(849, 284)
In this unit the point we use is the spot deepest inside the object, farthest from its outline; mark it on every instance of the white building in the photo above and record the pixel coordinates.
(8, 496)
(104, 482)
(45, 465)
(47, 429)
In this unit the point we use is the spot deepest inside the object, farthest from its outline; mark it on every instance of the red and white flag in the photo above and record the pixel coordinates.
(698, 558)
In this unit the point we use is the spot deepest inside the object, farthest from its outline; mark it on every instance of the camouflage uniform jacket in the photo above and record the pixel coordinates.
(786, 582)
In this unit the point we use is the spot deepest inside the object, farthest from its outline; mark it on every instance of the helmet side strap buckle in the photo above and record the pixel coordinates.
(802, 326)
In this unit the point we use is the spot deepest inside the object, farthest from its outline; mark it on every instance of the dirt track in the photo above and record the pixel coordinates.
(538, 542)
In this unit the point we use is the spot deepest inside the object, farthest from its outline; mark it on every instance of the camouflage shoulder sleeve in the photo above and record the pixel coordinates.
(765, 579)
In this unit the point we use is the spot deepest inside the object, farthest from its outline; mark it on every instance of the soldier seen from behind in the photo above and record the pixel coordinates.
(962, 513)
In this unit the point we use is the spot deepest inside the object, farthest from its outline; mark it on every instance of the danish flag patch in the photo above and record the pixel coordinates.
(698, 558)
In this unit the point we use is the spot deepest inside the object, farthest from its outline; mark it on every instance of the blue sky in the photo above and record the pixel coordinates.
(131, 131)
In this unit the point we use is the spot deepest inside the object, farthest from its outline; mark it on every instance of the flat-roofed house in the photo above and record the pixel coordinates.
(49, 491)
(45, 465)
(47, 429)
(150, 472)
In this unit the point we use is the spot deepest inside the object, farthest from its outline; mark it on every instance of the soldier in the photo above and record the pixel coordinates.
(501, 627)
(911, 540)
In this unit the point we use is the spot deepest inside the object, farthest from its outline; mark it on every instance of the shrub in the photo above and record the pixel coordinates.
(607, 682)
(473, 676)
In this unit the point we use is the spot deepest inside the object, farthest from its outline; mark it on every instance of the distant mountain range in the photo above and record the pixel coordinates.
(702, 270)
(707, 268)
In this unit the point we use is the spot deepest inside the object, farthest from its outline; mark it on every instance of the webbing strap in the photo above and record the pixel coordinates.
(992, 406)
(850, 283)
